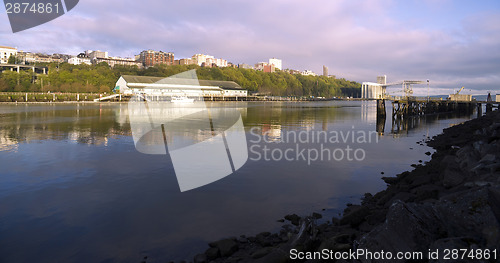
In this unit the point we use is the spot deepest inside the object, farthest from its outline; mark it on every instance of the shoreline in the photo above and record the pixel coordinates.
(39, 97)
(449, 202)
(208, 101)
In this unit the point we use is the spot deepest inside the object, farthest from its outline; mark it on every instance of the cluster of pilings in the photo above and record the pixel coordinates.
(404, 109)
(489, 107)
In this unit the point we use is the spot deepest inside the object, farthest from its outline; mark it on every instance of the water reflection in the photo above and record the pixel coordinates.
(73, 188)
(380, 128)
(6, 143)
(403, 125)
(91, 124)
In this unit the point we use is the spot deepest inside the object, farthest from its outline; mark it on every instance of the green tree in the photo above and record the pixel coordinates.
(65, 77)
(4, 86)
(12, 59)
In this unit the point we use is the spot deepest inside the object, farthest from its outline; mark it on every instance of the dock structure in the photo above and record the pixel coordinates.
(408, 112)
(410, 106)
(186, 86)
(413, 107)
(109, 98)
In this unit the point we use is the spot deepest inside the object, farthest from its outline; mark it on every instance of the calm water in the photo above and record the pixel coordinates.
(73, 188)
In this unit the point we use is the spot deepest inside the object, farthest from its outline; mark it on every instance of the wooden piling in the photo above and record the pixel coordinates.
(381, 107)
(489, 107)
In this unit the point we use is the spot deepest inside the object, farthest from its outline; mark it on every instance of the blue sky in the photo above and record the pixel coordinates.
(452, 43)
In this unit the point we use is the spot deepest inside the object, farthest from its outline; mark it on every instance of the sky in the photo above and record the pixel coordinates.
(451, 43)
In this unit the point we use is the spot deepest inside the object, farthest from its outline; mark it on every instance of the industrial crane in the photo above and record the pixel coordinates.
(459, 90)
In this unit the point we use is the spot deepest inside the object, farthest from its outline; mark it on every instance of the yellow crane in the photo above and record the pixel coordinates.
(458, 97)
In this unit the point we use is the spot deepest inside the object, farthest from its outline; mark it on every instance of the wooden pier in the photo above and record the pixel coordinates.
(410, 107)
(403, 110)
(408, 113)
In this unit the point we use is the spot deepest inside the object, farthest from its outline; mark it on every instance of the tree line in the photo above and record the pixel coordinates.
(101, 78)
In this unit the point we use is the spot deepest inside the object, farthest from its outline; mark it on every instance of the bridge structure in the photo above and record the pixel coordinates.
(18, 67)
(371, 90)
(406, 86)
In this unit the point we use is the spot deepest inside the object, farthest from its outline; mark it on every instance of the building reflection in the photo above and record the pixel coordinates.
(272, 132)
(182, 124)
(83, 124)
(368, 111)
(7, 143)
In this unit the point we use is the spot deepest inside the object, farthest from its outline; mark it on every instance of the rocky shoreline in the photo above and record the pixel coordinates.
(450, 202)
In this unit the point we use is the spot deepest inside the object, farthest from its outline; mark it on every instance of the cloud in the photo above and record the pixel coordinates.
(445, 41)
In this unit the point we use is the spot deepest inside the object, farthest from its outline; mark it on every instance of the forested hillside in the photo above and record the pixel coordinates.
(101, 78)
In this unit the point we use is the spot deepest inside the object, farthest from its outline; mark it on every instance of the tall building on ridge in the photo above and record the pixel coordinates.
(113, 61)
(270, 68)
(184, 61)
(276, 62)
(245, 66)
(6, 52)
(150, 58)
(382, 79)
(96, 54)
(208, 61)
(308, 73)
(260, 66)
(325, 71)
(79, 60)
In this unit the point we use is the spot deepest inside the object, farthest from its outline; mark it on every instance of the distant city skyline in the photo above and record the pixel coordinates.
(451, 43)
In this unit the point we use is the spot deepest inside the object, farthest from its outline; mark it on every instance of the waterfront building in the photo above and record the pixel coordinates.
(370, 90)
(158, 86)
(5, 53)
